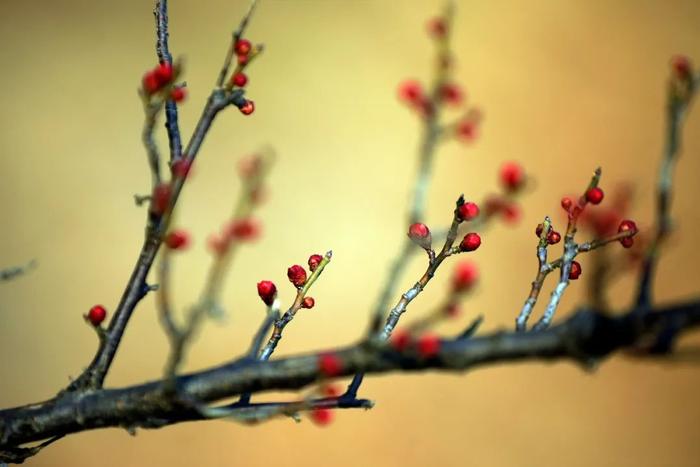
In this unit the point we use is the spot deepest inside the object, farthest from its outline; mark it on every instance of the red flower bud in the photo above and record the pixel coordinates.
(178, 94)
(164, 73)
(575, 270)
(428, 345)
(511, 213)
(512, 176)
(267, 292)
(627, 225)
(437, 27)
(177, 240)
(247, 108)
(239, 79)
(420, 233)
(681, 66)
(243, 47)
(627, 242)
(465, 276)
(242, 59)
(451, 94)
(553, 237)
(468, 211)
(181, 167)
(243, 229)
(566, 203)
(150, 83)
(96, 315)
(594, 195)
(329, 365)
(160, 199)
(411, 92)
(321, 416)
(308, 302)
(470, 242)
(297, 275)
(400, 340)
(314, 261)
(467, 130)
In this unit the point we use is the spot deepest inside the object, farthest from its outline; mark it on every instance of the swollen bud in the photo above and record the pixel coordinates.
(267, 292)
(420, 234)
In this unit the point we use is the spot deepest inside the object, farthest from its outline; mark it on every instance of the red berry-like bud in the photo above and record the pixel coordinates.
(177, 240)
(553, 237)
(627, 242)
(160, 199)
(314, 261)
(243, 229)
(451, 93)
(575, 270)
(96, 315)
(538, 230)
(453, 310)
(181, 167)
(329, 365)
(512, 176)
(308, 302)
(267, 292)
(470, 242)
(247, 108)
(468, 211)
(164, 73)
(437, 27)
(411, 92)
(428, 345)
(627, 225)
(420, 234)
(467, 130)
(242, 59)
(243, 47)
(239, 79)
(400, 340)
(465, 276)
(681, 66)
(297, 275)
(321, 416)
(150, 83)
(178, 94)
(566, 203)
(594, 195)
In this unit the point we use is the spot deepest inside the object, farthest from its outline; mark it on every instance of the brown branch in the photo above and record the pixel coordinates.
(585, 337)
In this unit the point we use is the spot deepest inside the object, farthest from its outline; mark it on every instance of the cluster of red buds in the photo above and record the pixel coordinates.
(512, 180)
(420, 234)
(245, 51)
(297, 276)
(426, 345)
(162, 78)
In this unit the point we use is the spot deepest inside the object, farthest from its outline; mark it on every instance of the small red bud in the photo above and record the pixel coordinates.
(451, 94)
(243, 47)
(150, 83)
(468, 211)
(467, 130)
(243, 229)
(400, 340)
(627, 242)
(512, 176)
(322, 416)
(160, 199)
(575, 270)
(420, 234)
(470, 242)
(242, 59)
(681, 66)
(538, 230)
(177, 240)
(297, 275)
(553, 237)
(437, 27)
(428, 345)
(164, 73)
(96, 315)
(247, 108)
(181, 167)
(411, 92)
(594, 195)
(178, 94)
(308, 302)
(511, 213)
(267, 292)
(627, 225)
(329, 365)
(239, 79)
(465, 276)
(566, 203)
(314, 261)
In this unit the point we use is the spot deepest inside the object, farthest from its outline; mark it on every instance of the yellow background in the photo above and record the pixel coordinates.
(565, 86)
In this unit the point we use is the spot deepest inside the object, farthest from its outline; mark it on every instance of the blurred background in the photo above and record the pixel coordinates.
(565, 86)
